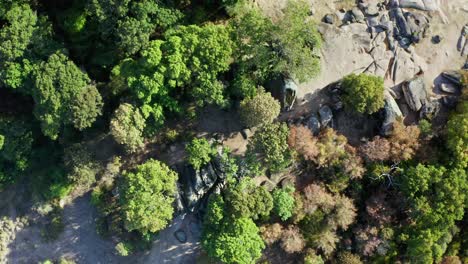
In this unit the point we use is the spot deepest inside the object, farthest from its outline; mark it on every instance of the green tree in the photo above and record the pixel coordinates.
(230, 239)
(283, 201)
(199, 152)
(363, 93)
(437, 199)
(457, 133)
(58, 93)
(260, 110)
(146, 197)
(289, 46)
(245, 199)
(127, 127)
(270, 144)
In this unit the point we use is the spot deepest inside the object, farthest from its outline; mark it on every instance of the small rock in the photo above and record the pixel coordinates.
(172, 148)
(436, 39)
(326, 115)
(329, 19)
(314, 124)
(246, 133)
(392, 112)
(357, 15)
(430, 110)
(180, 235)
(449, 88)
(415, 93)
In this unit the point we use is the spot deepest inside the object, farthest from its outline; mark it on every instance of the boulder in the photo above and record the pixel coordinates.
(453, 76)
(449, 88)
(326, 115)
(450, 101)
(357, 15)
(430, 109)
(314, 124)
(403, 29)
(329, 19)
(180, 235)
(415, 93)
(425, 5)
(391, 113)
(246, 133)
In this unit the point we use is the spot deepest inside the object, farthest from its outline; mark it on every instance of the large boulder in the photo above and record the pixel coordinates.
(453, 76)
(326, 116)
(314, 124)
(425, 5)
(415, 93)
(391, 113)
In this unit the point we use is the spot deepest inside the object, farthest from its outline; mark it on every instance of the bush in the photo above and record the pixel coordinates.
(271, 233)
(283, 202)
(347, 257)
(363, 93)
(259, 110)
(199, 152)
(124, 249)
(292, 240)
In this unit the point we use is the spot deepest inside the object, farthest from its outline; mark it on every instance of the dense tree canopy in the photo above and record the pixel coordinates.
(147, 194)
(363, 93)
(127, 127)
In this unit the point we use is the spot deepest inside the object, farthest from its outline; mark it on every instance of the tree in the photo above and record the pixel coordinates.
(58, 93)
(288, 47)
(146, 197)
(437, 199)
(292, 240)
(404, 141)
(283, 202)
(303, 141)
(237, 242)
(245, 199)
(229, 238)
(271, 233)
(127, 127)
(270, 143)
(363, 93)
(16, 146)
(178, 65)
(346, 257)
(457, 135)
(259, 110)
(199, 152)
(376, 150)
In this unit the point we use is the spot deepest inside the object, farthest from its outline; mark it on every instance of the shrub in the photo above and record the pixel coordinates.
(312, 258)
(347, 257)
(271, 233)
(124, 249)
(283, 202)
(363, 93)
(259, 110)
(199, 152)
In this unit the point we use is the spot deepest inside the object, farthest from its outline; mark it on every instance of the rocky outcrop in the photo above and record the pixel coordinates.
(415, 93)
(391, 113)
(326, 116)
(196, 185)
(425, 5)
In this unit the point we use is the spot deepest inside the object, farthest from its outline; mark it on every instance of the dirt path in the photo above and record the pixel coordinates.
(79, 240)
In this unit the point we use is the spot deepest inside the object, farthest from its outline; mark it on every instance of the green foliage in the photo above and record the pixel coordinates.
(425, 127)
(54, 225)
(15, 151)
(269, 143)
(124, 249)
(259, 110)
(147, 195)
(289, 46)
(127, 126)
(61, 91)
(193, 58)
(283, 201)
(457, 133)
(437, 197)
(199, 152)
(231, 240)
(347, 257)
(363, 93)
(246, 200)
